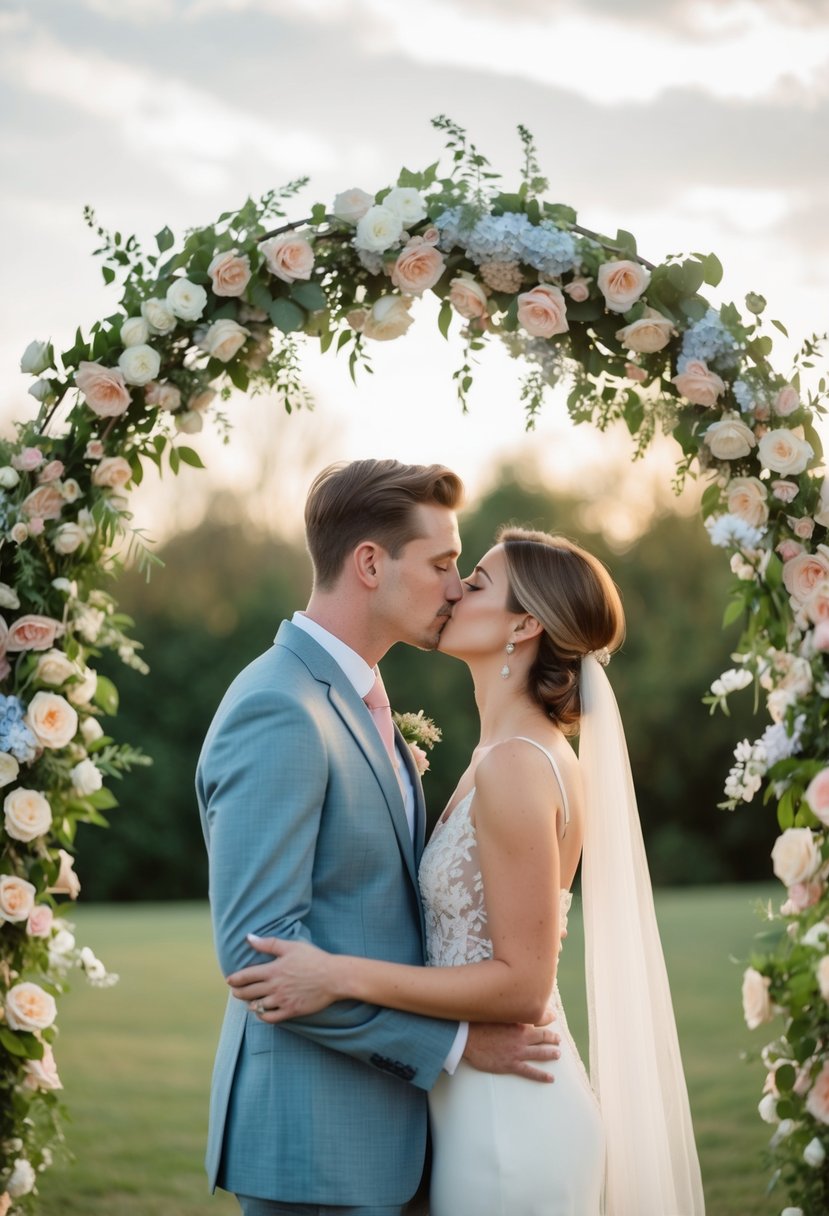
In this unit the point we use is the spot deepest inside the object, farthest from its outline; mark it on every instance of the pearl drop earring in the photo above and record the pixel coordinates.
(505, 669)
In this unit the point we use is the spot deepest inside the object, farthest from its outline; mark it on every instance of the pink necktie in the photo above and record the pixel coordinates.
(377, 702)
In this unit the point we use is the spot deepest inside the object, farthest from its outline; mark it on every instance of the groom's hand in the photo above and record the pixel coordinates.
(498, 1047)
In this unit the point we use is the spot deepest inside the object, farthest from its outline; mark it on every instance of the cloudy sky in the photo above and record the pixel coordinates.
(696, 124)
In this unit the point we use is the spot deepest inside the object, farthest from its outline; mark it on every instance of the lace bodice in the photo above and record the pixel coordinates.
(453, 893)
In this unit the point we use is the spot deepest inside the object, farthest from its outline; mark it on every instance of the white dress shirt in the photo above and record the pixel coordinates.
(358, 673)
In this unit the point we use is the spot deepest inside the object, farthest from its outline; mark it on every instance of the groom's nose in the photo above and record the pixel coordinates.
(454, 591)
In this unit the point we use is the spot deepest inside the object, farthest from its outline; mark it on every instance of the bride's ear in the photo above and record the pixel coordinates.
(526, 628)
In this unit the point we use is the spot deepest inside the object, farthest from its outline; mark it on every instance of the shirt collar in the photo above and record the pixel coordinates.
(354, 668)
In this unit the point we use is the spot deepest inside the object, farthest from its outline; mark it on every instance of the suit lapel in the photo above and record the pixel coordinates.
(420, 803)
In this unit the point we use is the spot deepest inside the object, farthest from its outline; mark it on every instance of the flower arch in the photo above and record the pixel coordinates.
(224, 310)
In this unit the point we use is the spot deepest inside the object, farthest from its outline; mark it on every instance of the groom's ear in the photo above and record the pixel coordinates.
(367, 560)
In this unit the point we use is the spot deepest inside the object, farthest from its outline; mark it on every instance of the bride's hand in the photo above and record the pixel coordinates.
(299, 981)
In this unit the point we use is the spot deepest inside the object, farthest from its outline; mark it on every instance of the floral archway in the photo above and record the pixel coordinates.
(225, 309)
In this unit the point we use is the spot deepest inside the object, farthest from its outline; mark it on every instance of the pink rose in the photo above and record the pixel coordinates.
(104, 388)
(418, 267)
(802, 574)
(817, 1102)
(820, 636)
(40, 920)
(578, 289)
(289, 257)
(746, 497)
(94, 450)
(697, 384)
(17, 898)
(389, 318)
(622, 283)
(784, 452)
(67, 881)
(36, 526)
(229, 273)
(162, 394)
(27, 460)
(46, 502)
(787, 549)
(28, 1007)
(112, 473)
(787, 401)
(543, 311)
(785, 491)
(817, 795)
(224, 339)
(33, 632)
(757, 1006)
(420, 758)
(802, 526)
(43, 1073)
(468, 298)
(805, 895)
(652, 332)
(633, 372)
(51, 471)
(817, 605)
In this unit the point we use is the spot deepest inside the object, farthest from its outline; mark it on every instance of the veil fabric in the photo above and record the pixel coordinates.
(635, 1064)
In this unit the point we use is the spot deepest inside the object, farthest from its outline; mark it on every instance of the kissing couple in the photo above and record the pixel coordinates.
(374, 981)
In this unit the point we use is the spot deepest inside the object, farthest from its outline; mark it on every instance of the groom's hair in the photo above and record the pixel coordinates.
(370, 500)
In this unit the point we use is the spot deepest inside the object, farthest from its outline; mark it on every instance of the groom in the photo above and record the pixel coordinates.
(314, 827)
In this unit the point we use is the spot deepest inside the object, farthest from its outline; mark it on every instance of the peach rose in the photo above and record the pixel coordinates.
(229, 273)
(817, 605)
(33, 632)
(747, 498)
(112, 473)
(802, 573)
(17, 898)
(389, 318)
(52, 719)
(104, 388)
(757, 1006)
(634, 372)
(805, 895)
(795, 857)
(820, 636)
(67, 881)
(43, 1073)
(94, 450)
(650, 333)
(785, 491)
(50, 472)
(787, 549)
(27, 814)
(622, 283)
(46, 502)
(40, 921)
(224, 339)
(162, 394)
(817, 795)
(730, 438)
(802, 526)
(28, 1007)
(543, 311)
(420, 758)
(418, 267)
(27, 460)
(783, 451)
(787, 401)
(468, 297)
(817, 1102)
(697, 384)
(578, 289)
(289, 257)
(823, 977)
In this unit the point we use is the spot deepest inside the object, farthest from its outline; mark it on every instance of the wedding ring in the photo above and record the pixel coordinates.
(258, 1006)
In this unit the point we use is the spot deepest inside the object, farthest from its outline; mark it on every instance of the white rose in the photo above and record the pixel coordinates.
(55, 668)
(224, 339)
(27, 814)
(389, 318)
(9, 768)
(731, 681)
(823, 977)
(8, 597)
(139, 364)
(83, 692)
(62, 943)
(135, 331)
(158, 315)
(187, 300)
(795, 857)
(37, 357)
(783, 451)
(17, 898)
(91, 730)
(70, 490)
(814, 1153)
(757, 1006)
(28, 1007)
(816, 937)
(42, 390)
(407, 204)
(9, 477)
(378, 230)
(68, 538)
(767, 1108)
(22, 1178)
(351, 205)
(730, 438)
(86, 777)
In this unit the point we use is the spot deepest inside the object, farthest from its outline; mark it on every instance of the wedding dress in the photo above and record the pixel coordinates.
(503, 1145)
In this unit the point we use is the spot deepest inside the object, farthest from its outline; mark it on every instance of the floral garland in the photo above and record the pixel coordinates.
(224, 311)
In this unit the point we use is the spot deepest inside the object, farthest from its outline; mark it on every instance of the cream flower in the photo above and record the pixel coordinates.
(289, 257)
(135, 331)
(698, 384)
(27, 814)
(86, 778)
(543, 311)
(186, 300)
(9, 768)
(104, 388)
(784, 452)
(468, 298)
(795, 856)
(55, 668)
(351, 205)
(418, 267)
(622, 283)
(650, 333)
(804, 572)
(28, 1007)
(139, 364)
(52, 719)
(112, 473)
(67, 881)
(224, 339)
(17, 898)
(389, 318)
(817, 796)
(229, 273)
(757, 1006)
(43, 1073)
(730, 438)
(378, 230)
(406, 203)
(68, 538)
(747, 497)
(159, 315)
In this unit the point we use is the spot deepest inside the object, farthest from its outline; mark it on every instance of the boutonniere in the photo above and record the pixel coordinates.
(421, 734)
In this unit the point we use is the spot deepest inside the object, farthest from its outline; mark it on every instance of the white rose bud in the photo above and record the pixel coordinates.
(139, 364)
(135, 331)
(768, 1108)
(814, 1153)
(83, 692)
(9, 477)
(158, 315)
(8, 597)
(86, 778)
(91, 730)
(187, 300)
(37, 357)
(22, 1179)
(9, 768)
(43, 391)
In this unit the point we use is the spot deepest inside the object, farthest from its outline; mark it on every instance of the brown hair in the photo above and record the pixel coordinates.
(571, 593)
(370, 500)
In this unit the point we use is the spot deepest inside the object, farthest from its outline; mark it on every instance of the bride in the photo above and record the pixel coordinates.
(536, 624)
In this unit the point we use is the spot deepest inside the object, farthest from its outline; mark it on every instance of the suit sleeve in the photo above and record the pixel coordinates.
(261, 805)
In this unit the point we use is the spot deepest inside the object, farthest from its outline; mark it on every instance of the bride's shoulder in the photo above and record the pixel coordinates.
(514, 772)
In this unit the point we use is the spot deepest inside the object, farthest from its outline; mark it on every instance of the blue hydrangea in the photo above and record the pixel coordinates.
(498, 238)
(549, 250)
(708, 340)
(448, 224)
(744, 395)
(15, 736)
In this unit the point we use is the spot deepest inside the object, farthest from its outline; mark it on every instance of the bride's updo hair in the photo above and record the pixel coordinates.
(570, 592)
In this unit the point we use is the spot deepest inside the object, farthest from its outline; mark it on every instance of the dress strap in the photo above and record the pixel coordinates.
(557, 771)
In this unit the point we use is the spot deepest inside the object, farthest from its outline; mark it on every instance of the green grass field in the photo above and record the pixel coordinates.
(135, 1059)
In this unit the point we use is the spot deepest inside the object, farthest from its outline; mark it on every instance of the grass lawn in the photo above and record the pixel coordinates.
(135, 1059)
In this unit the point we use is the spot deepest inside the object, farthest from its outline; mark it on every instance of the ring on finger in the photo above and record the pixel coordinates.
(258, 1007)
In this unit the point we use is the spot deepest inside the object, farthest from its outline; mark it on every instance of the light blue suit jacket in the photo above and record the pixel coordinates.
(307, 838)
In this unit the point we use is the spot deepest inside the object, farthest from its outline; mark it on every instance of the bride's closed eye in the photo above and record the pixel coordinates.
(470, 586)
